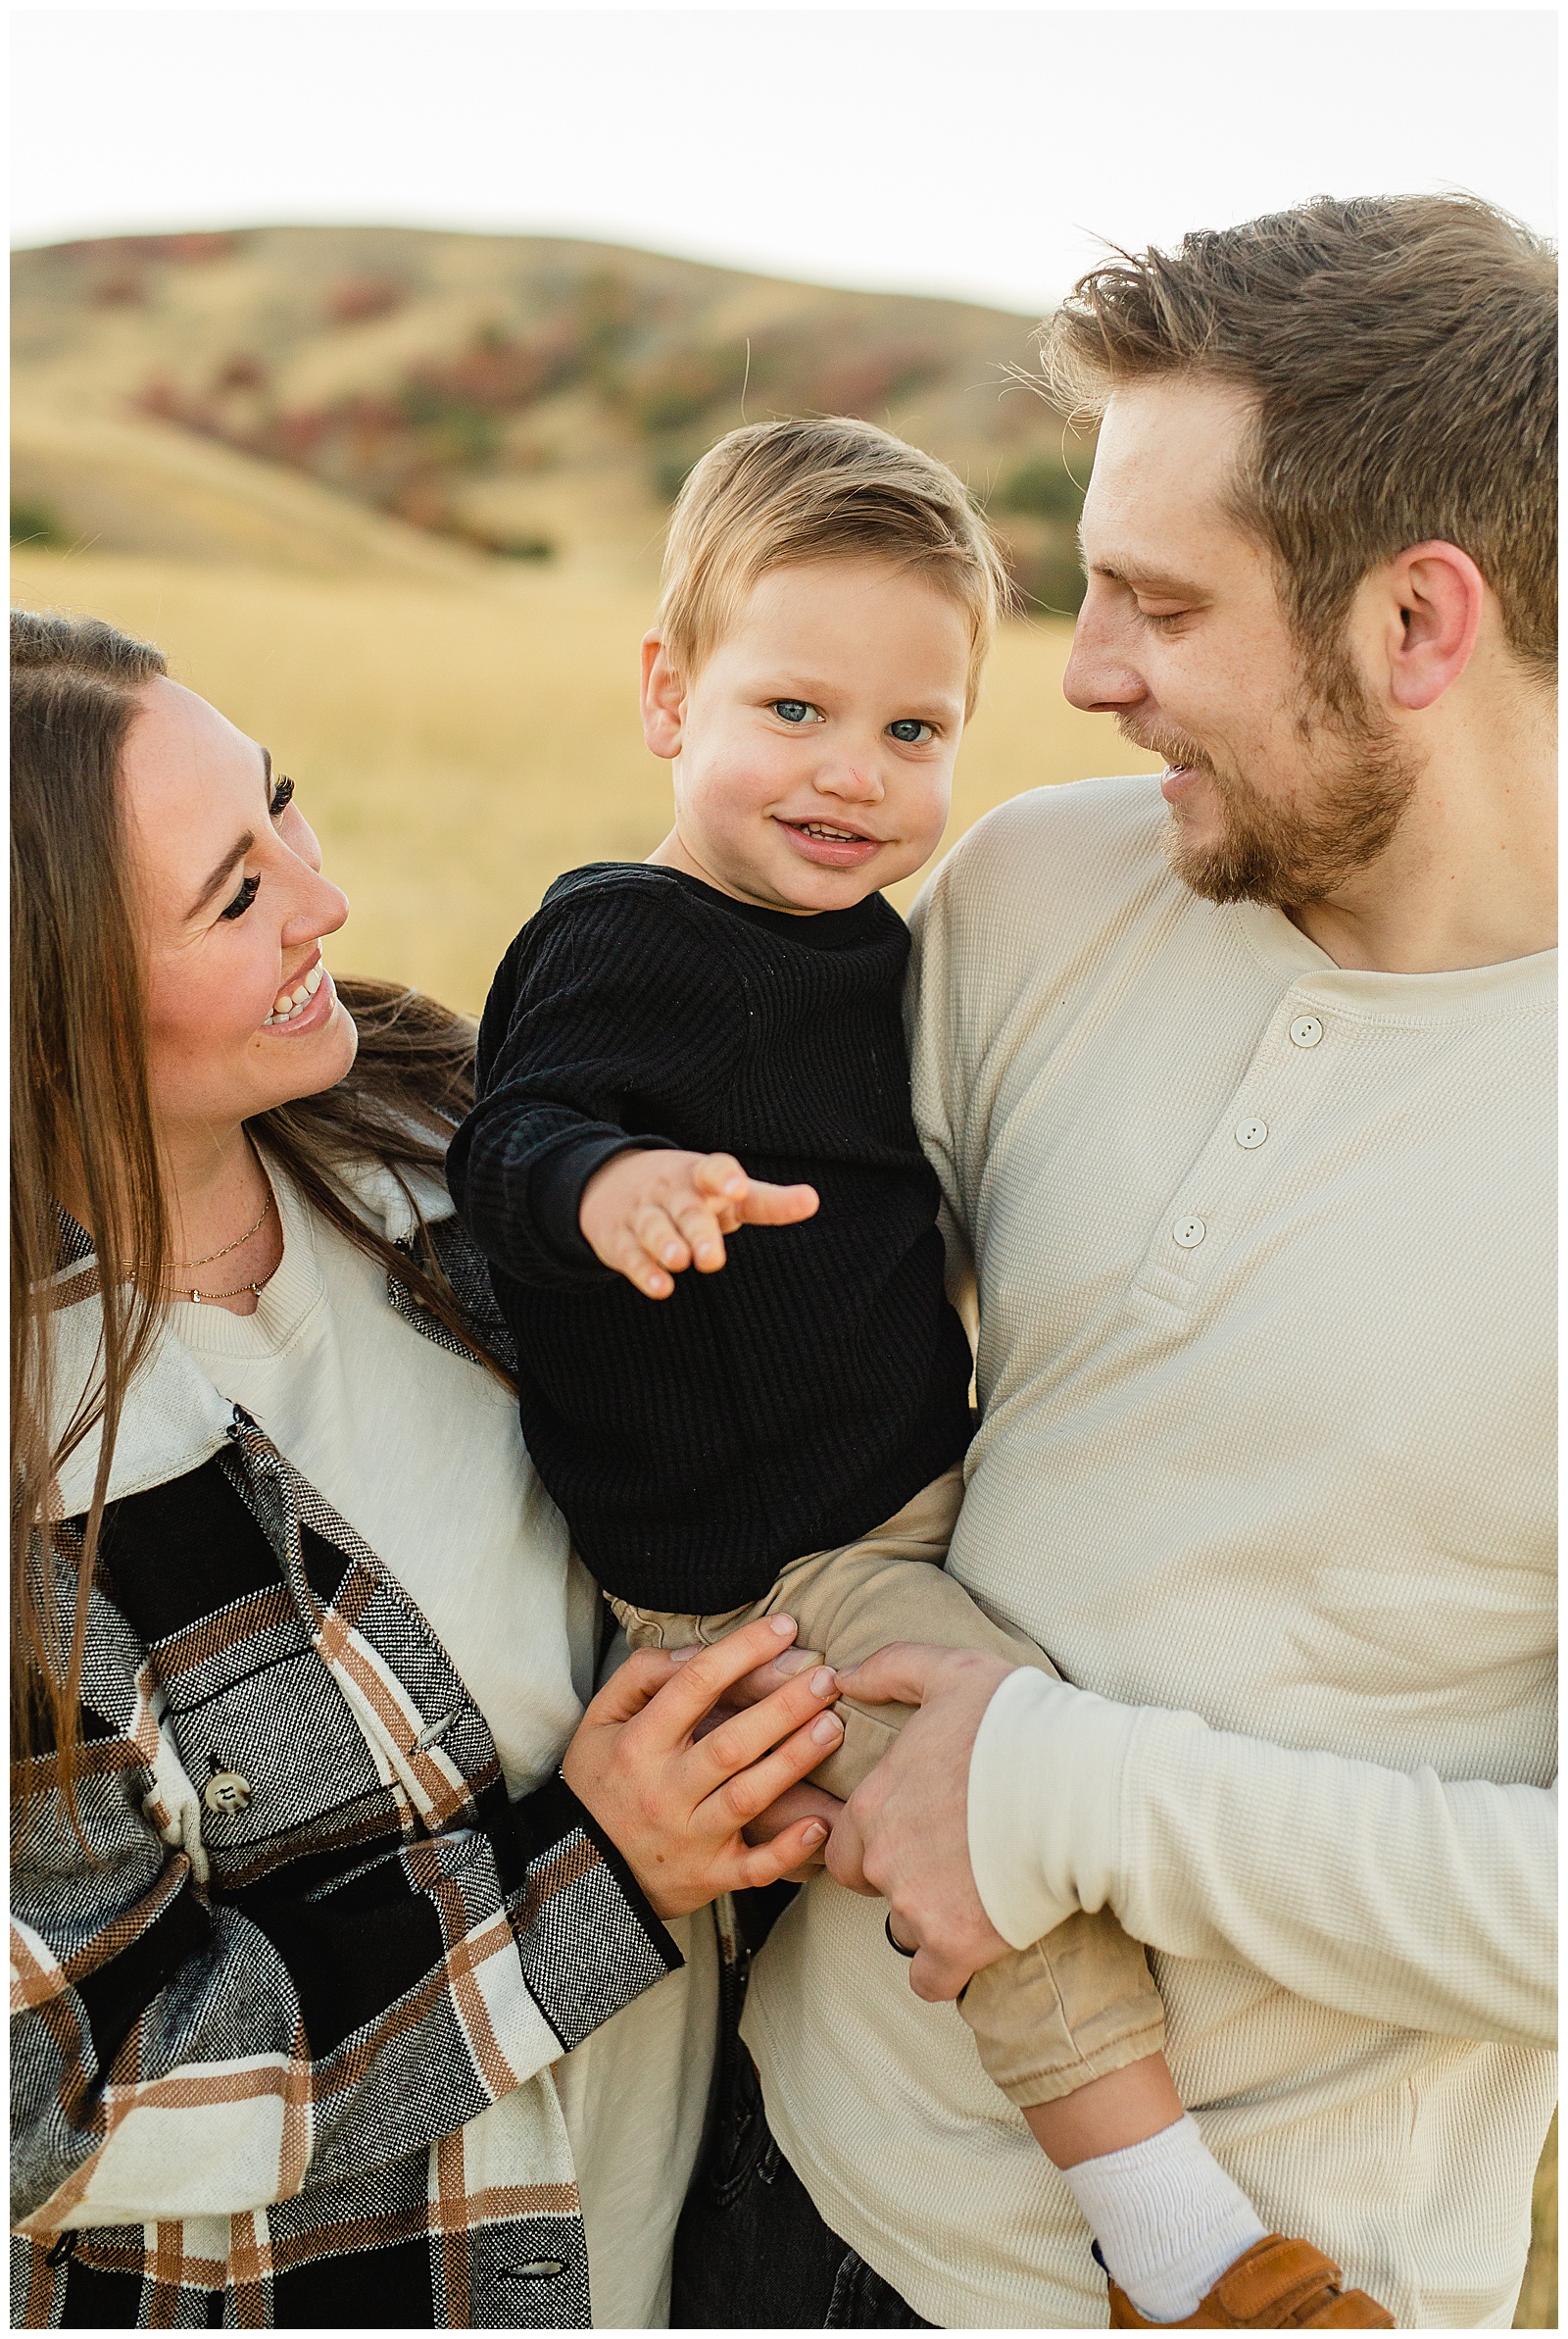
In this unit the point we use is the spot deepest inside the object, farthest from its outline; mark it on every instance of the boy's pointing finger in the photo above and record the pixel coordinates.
(777, 1206)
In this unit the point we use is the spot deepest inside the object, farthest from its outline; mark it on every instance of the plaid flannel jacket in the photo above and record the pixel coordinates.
(282, 2021)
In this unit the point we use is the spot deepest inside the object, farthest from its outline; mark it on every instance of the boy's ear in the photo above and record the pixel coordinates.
(663, 700)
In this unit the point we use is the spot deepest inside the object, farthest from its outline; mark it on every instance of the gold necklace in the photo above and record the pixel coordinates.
(200, 1299)
(234, 1246)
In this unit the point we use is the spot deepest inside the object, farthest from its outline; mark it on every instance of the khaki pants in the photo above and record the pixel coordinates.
(1047, 2018)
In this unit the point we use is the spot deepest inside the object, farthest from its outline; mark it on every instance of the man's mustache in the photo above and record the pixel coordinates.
(1173, 746)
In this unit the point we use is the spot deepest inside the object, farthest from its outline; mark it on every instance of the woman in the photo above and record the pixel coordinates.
(339, 2004)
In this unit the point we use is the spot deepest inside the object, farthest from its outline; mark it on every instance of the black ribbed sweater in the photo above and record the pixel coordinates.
(807, 1390)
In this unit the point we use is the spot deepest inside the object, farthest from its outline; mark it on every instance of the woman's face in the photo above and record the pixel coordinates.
(234, 908)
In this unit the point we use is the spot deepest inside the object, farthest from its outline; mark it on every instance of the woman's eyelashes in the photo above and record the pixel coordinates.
(281, 798)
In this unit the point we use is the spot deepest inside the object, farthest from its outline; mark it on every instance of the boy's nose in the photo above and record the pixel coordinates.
(858, 782)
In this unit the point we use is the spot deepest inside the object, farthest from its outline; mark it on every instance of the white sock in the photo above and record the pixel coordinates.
(1167, 2218)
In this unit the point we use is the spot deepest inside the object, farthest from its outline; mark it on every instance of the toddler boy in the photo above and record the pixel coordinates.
(787, 1436)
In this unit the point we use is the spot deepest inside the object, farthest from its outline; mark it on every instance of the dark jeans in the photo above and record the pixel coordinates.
(751, 2252)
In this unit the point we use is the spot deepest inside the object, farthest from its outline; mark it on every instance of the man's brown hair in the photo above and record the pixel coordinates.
(1402, 352)
(776, 495)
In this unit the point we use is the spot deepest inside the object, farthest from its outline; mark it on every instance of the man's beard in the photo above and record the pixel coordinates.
(1358, 785)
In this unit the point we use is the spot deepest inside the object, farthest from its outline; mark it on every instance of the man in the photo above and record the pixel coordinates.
(1239, 1084)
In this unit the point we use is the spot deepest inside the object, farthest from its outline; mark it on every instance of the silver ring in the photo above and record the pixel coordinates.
(893, 1941)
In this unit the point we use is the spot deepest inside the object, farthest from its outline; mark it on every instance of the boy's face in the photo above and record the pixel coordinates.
(814, 751)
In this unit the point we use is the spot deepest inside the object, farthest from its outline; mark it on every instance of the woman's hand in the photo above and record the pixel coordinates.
(674, 1803)
(805, 1802)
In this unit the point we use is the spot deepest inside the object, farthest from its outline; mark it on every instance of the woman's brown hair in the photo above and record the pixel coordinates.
(82, 1128)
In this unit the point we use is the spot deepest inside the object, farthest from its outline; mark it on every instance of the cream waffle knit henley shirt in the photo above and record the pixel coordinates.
(1263, 1251)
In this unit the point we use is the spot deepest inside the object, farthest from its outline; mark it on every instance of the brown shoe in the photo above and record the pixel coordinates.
(1276, 2286)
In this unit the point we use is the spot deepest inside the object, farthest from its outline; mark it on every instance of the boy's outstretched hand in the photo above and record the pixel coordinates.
(649, 1215)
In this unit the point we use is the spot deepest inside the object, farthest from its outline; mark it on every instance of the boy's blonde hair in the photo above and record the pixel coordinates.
(774, 495)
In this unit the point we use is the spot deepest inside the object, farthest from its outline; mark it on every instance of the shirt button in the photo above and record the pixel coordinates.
(1251, 1133)
(226, 1793)
(1189, 1232)
(1306, 1032)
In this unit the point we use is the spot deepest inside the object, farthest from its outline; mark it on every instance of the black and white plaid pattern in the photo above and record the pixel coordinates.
(464, 1267)
(283, 2062)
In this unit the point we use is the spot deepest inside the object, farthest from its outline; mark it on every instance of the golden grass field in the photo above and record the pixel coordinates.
(458, 739)
(456, 745)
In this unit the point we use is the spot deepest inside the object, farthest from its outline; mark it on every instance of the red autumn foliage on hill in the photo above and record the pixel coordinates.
(451, 378)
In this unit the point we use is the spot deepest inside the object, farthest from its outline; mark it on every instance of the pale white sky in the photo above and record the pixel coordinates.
(979, 152)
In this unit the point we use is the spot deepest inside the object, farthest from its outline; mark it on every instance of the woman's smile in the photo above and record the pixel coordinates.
(305, 1007)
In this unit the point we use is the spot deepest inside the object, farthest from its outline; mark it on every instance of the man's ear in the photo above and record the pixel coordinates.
(1439, 597)
(663, 700)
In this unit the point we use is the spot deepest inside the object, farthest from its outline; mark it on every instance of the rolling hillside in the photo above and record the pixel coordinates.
(396, 501)
(531, 399)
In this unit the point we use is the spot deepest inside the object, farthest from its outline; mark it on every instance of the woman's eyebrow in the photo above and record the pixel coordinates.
(220, 875)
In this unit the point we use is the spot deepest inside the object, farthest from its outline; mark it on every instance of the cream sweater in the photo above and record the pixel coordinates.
(351, 1394)
(1264, 1264)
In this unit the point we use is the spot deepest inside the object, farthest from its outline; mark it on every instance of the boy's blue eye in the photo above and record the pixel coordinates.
(908, 733)
(793, 710)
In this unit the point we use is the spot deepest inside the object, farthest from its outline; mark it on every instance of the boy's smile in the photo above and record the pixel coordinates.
(832, 847)
(813, 750)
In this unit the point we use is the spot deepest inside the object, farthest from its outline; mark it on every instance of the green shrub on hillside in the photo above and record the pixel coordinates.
(1043, 488)
(30, 523)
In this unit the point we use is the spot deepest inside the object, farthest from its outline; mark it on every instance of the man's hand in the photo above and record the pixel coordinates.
(649, 1215)
(904, 1832)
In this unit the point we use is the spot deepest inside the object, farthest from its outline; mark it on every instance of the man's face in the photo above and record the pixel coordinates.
(1281, 784)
